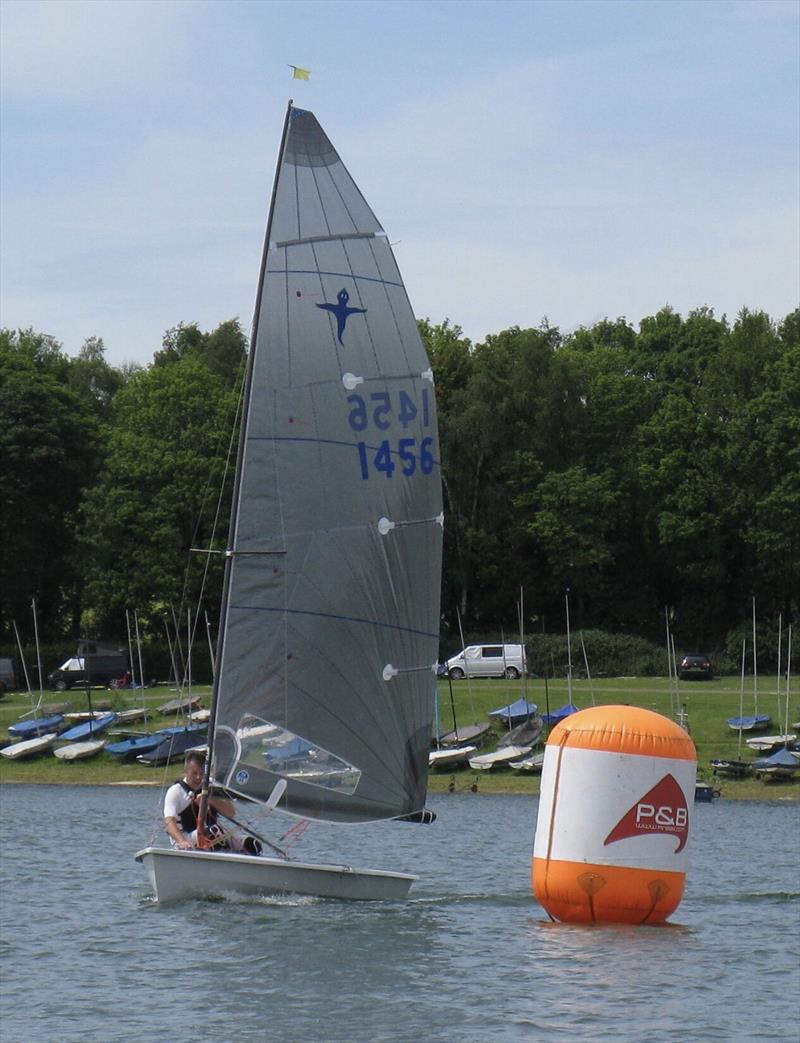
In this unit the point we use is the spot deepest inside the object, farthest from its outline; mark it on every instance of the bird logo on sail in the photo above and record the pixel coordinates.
(661, 810)
(342, 312)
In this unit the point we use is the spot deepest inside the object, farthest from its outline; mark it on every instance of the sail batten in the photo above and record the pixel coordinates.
(332, 593)
(338, 237)
(336, 275)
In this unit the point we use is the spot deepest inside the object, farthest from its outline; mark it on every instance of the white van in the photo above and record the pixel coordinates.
(487, 661)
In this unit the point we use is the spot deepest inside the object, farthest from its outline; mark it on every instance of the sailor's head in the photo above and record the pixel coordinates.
(195, 765)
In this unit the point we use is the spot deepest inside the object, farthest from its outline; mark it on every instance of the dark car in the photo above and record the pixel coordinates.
(695, 668)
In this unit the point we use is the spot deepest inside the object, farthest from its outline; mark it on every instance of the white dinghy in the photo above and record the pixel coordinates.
(448, 756)
(326, 662)
(532, 764)
(78, 751)
(29, 747)
(487, 761)
(771, 743)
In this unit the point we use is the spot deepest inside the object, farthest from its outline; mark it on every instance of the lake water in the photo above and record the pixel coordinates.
(472, 957)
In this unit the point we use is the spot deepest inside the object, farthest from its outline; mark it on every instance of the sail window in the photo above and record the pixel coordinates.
(290, 756)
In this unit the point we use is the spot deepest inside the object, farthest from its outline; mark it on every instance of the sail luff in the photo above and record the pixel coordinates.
(240, 453)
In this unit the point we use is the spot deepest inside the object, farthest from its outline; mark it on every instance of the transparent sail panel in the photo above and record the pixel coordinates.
(264, 745)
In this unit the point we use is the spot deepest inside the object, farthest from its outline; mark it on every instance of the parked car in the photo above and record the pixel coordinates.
(695, 668)
(487, 661)
(8, 678)
(93, 664)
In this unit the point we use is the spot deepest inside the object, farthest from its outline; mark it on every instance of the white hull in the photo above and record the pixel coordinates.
(454, 755)
(488, 760)
(129, 716)
(778, 772)
(178, 874)
(530, 764)
(767, 742)
(79, 750)
(29, 747)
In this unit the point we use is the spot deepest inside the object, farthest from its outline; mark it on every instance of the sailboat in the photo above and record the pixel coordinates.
(735, 767)
(757, 722)
(329, 628)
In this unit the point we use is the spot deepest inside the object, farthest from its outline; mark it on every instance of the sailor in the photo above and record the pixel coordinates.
(181, 804)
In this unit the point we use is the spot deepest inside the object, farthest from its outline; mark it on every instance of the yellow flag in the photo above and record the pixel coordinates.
(300, 74)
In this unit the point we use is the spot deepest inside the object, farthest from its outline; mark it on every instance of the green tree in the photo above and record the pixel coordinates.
(158, 495)
(49, 453)
(91, 377)
(222, 351)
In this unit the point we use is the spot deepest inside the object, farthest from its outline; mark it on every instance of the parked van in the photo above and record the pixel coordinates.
(8, 679)
(487, 661)
(93, 664)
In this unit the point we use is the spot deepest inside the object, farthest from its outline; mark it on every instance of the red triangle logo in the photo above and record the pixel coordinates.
(661, 810)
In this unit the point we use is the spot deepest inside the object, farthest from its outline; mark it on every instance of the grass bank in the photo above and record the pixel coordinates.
(707, 704)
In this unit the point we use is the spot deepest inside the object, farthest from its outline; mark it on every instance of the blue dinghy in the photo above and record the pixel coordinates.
(137, 744)
(36, 726)
(514, 713)
(750, 724)
(174, 746)
(780, 765)
(558, 715)
(88, 729)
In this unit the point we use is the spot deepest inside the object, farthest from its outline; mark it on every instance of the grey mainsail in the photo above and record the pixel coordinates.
(329, 636)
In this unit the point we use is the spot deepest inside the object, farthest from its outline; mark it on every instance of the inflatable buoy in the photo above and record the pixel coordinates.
(615, 811)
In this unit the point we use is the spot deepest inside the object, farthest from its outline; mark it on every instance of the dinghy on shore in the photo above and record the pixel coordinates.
(449, 756)
(78, 751)
(29, 747)
(503, 756)
(30, 729)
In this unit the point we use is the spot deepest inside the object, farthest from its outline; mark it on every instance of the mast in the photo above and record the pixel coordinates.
(138, 646)
(778, 679)
(22, 660)
(38, 655)
(130, 649)
(755, 664)
(569, 651)
(741, 701)
(788, 680)
(231, 550)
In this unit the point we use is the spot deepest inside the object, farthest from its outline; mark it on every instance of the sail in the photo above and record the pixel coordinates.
(326, 673)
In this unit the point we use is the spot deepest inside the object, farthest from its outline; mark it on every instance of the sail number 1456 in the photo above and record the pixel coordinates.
(381, 410)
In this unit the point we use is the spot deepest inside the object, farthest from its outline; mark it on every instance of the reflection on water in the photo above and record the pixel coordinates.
(88, 955)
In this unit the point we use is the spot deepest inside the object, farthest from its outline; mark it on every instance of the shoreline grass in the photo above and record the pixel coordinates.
(707, 705)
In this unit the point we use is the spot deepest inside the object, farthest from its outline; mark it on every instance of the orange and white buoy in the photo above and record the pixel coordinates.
(615, 811)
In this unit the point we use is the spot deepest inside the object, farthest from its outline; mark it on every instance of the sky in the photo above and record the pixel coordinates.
(567, 161)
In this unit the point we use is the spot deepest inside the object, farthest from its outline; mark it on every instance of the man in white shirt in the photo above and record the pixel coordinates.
(181, 806)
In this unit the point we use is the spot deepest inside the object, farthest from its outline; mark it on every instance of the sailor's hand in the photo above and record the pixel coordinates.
(185, 845)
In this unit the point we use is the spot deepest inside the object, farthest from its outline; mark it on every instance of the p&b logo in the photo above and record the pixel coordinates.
(661, 810)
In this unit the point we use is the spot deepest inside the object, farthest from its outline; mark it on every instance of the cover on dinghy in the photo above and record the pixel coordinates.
(515, 713)
(560, 714)
(36, 726)
(88, 729)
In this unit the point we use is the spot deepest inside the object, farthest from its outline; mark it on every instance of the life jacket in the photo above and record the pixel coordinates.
(188, 817)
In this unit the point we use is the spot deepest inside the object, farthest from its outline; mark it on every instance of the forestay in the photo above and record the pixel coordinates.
(330, 623)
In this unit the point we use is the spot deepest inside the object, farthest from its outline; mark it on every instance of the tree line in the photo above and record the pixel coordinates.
(630, 473)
